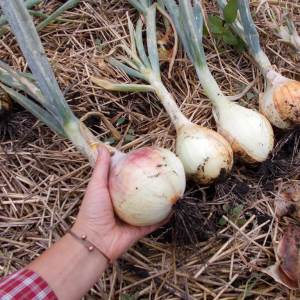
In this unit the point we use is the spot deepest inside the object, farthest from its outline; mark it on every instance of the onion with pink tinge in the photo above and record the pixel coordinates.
(145, 184)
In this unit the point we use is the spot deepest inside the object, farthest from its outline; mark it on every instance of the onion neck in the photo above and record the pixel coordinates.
(83, 139)
(177, 117)
(274, 78)
(263, 62)
(211, 87)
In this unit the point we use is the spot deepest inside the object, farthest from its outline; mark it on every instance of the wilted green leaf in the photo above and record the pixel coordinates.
(241, 222)
(205, 30)
(229, 38)
(215, 24)
(99, 44)
(230, 11)
(226, 207)
(241, 46)
(250, 284)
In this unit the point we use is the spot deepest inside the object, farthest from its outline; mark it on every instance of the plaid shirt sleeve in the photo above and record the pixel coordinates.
(25, 285)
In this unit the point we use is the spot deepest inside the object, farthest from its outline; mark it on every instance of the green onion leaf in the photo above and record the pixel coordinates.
(230, 11)
(31, 46)
(141, 5)
(215, 24)
(140, 44)
(121, 87)
(152, 40)
(28, 3)
(229, 38)
(129, 71)
(52, 18)
(35, 109)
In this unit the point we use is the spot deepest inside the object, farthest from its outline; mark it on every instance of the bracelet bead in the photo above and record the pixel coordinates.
(83, 239)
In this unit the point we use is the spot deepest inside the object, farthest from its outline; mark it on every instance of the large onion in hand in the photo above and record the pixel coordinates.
(144, 185)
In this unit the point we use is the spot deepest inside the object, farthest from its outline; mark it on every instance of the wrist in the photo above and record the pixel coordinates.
(66, 262)
(83, 239)
(102, 241)
(74, 245)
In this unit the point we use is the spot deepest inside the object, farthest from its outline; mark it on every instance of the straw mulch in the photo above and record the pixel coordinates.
(199, 254)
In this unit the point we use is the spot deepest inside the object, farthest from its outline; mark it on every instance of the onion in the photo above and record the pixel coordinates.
(280, 102)
(249, 132)
(144, 185)
(205, 154)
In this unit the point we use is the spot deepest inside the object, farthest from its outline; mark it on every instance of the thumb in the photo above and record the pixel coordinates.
(101, 170)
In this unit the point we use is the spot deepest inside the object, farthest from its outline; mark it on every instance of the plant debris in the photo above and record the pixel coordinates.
(287, 203)
(287, 270)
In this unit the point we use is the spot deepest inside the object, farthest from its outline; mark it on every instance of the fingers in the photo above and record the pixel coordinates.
(101, 170)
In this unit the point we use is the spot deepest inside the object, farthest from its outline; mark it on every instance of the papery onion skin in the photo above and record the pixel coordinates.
(281, 103)
(205, 154)
(145, 184)
(249, 133)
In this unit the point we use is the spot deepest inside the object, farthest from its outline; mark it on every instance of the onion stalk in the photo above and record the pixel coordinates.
(280, 102)
(144, 183)
(205, 154)
(249, 132)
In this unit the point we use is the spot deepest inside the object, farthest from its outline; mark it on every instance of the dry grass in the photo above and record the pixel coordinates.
(198, 255)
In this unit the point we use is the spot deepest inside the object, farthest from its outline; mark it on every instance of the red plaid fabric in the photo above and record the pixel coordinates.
(25, 285)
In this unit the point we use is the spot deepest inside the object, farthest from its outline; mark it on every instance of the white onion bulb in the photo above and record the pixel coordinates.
(249, 132)
(144, 185)
(205, 154)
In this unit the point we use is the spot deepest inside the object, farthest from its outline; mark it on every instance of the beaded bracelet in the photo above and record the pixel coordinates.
(87, 244)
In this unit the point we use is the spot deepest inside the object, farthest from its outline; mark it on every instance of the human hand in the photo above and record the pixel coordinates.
(96, 218)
